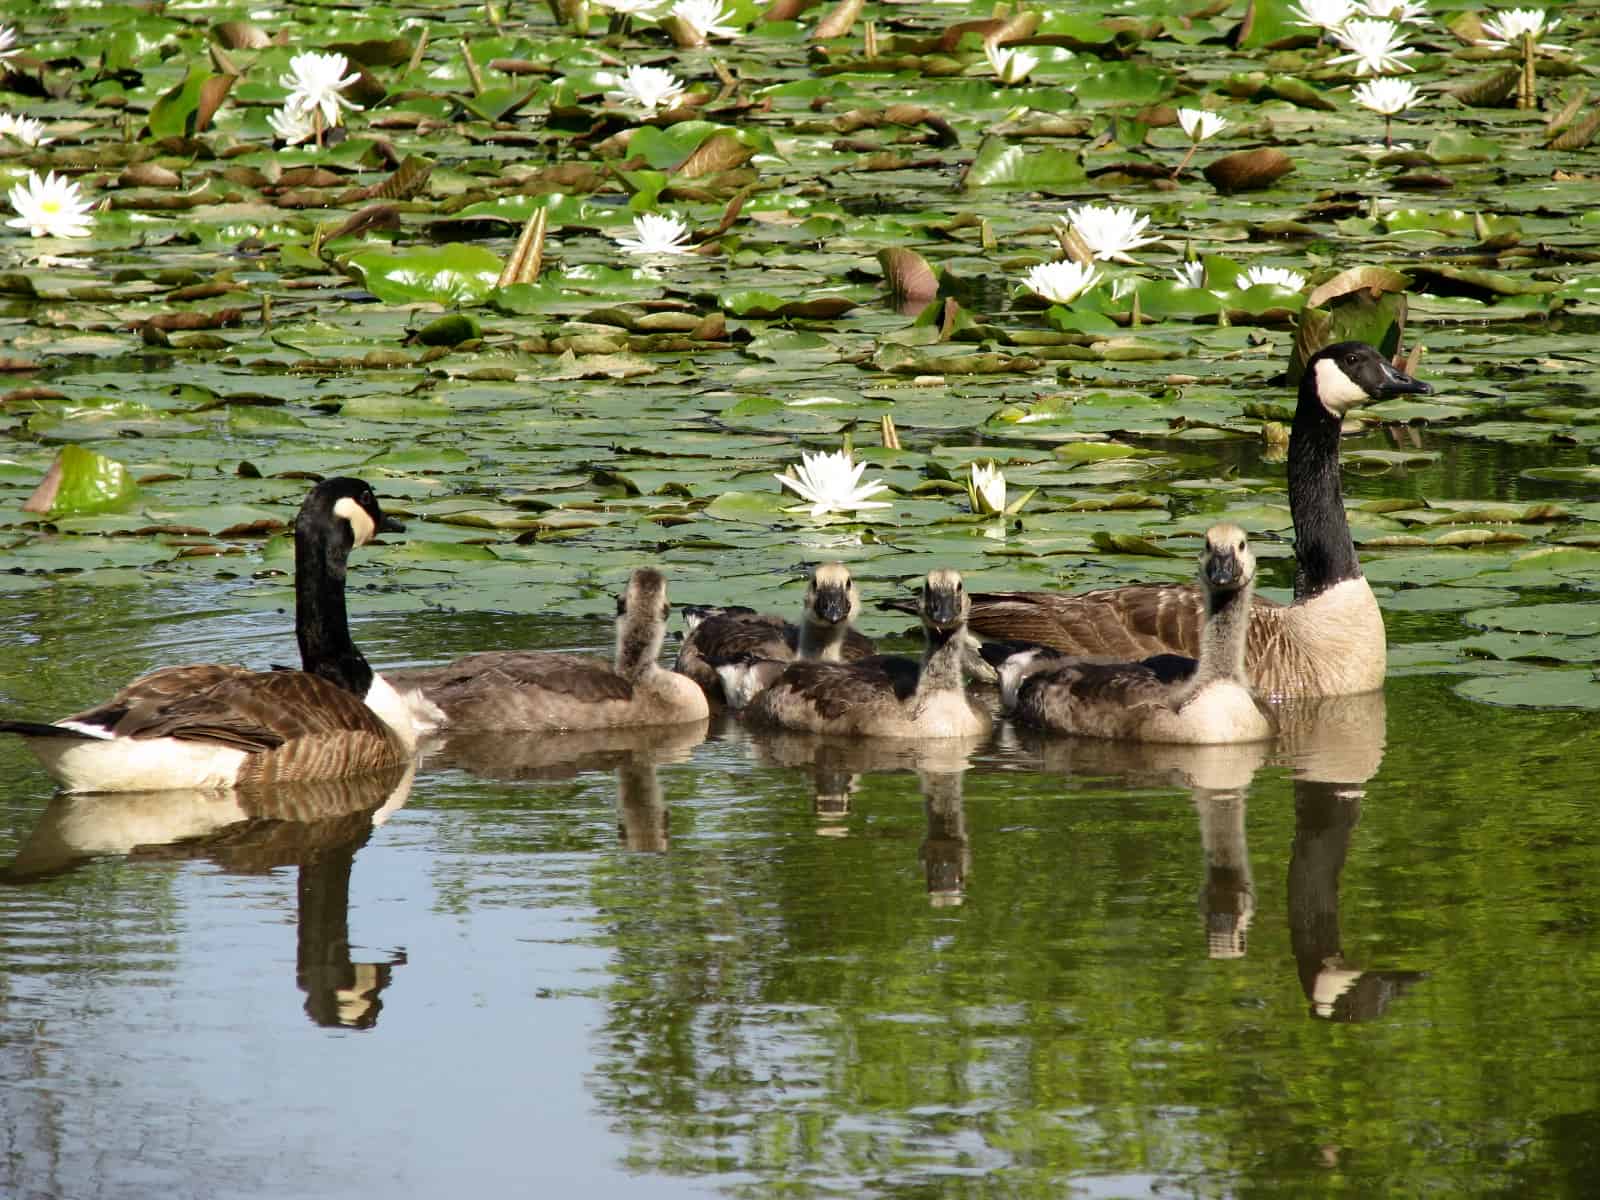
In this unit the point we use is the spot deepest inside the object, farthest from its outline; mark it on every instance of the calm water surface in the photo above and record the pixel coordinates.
(1363, 962)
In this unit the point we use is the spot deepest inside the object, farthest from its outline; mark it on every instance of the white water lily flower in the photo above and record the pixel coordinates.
(986, 488)
(8, 42)
(1009, 66)
(1060, 282)
(314, 81)
(1109, 233)
(648, 87)
(657, 233)
(27, 130)
(1273, 277)
(832, 483)
(1326, 15)
(1376, 47)
(1405, 12)
(706, 17)
(1386, 96)
(1200, 124)
(1508, 27)
(1190, 274)
(292, 125)
(50, 207)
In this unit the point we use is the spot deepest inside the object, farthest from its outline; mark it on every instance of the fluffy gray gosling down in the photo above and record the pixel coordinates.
(529, 691)
(1165, 698)
(886, 696)
(763, 643)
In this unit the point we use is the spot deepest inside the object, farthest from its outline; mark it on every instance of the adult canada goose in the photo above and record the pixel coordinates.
(207, 726)
(719, 636)
(1328, 642)
(883, 696)
(515, 690)
(1157, 701)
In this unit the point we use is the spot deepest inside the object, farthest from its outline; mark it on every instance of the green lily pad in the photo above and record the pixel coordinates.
(457, 274)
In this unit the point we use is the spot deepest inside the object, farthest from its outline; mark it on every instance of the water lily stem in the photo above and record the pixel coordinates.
(1528, 81)
(1187, 158)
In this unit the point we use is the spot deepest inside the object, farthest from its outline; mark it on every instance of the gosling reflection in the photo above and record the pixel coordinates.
(836, 766)
(1218, 779)
(635, 753)
(316, 827)
(946, 854)
(1333, 746)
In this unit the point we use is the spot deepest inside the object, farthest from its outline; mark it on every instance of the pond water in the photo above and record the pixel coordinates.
(1360, 962)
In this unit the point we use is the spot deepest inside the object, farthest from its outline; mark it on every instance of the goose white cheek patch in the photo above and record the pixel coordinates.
(360, 523)
(1337, 391)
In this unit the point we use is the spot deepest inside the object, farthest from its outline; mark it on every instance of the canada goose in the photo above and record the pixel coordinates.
(207, 726)
(1329, 641)
(1155, 703)
(515, 690)
(719, 636)
(883, 696)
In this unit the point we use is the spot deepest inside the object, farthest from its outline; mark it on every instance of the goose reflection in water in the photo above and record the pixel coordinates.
(1335, 748)
(634, 752)
(837, 764)
(315, 826)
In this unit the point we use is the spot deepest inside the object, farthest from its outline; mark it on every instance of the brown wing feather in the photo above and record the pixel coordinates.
(1110, 700)
(579, 676)
(829, 690)
(731, 637)
(1117, 624)
(293, 725)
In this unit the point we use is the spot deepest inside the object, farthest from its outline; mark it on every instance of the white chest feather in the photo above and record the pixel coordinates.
(1333, 644)
(407, 715)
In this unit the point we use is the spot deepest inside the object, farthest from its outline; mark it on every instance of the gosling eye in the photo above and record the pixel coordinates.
(666, 610)
(1241, 544)
(622, 603)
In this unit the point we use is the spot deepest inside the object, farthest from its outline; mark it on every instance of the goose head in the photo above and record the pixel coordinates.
(945, 604)
(831, 596)
(1226, 563)
(642, 613)
(342, 505)
(1347, 374)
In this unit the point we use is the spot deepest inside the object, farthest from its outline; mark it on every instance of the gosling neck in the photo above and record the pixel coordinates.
(638, 646)
(942, 661)
(822, 641)
(1324, 552)
(1222, 641)
(321, 622)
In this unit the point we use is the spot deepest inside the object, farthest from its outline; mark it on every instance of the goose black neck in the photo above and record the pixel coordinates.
(321, 623)
(1324, 552)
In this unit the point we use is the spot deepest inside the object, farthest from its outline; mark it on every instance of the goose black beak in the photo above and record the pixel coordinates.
(832, 605)
(390, 525)
(1394, 382)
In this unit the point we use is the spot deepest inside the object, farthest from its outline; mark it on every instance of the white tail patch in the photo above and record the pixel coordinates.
(94, 731)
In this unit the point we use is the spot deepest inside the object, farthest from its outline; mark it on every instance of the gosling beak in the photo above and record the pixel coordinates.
(942, 608)
(1222, 569)
(1394, 382)
(832, 605)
